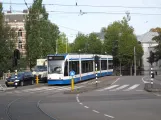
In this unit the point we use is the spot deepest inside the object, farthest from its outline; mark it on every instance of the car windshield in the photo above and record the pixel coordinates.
(40, 68)
(19, 75)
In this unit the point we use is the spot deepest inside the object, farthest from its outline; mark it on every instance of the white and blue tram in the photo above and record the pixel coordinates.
(60, 65)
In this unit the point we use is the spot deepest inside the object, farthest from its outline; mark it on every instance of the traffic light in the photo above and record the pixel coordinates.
(96, 59)
(151, 58)
(16, 54)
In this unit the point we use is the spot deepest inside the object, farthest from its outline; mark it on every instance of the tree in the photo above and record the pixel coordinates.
(62, 44)
(80, 44)
(41, 34)
(7, 40)
(94, 44)
(120, 41)
(158, 47)
(157, 29)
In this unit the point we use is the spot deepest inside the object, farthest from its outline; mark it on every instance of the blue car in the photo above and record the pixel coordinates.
(23, 78)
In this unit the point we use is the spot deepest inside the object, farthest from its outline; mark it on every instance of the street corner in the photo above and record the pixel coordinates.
(149, 87)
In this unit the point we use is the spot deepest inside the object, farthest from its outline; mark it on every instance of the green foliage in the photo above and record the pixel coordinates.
(80, 44)
(7, 40)
(41, 34)
(94, 44)
(158, 47)
(87, 44)
(62, 44)
(120, 41)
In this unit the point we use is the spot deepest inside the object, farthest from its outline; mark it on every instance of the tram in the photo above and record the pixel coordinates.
(84, 66)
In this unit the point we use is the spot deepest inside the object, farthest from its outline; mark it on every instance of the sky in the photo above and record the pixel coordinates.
(70, 24)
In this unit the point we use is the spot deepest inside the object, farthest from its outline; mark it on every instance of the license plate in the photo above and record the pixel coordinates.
(10, 82)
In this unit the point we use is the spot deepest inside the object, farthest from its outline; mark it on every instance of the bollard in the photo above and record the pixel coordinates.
(72, 84)
(96, 74)
(152, 76)
(37, 79)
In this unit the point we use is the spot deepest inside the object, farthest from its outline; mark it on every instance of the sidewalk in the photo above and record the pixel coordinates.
(156, 86)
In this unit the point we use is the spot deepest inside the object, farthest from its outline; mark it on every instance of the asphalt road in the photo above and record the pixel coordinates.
(125, 99)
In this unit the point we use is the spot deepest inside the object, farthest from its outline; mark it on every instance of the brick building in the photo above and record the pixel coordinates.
(17, 21)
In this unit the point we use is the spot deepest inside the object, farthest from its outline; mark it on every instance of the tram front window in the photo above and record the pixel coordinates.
(55, 67)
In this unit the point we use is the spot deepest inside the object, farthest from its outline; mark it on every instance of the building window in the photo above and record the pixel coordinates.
(20, 33)
(20, 45)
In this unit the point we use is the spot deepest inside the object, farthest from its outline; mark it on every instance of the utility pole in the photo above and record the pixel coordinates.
(134, 62)
(56, 46)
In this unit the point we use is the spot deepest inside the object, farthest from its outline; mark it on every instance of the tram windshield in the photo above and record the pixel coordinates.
(55, 66)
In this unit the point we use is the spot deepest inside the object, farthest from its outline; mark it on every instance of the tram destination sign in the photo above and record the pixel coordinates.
(55, 57)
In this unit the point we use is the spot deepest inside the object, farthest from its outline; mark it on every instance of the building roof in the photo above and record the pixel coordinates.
(15, 17)
(147, 37)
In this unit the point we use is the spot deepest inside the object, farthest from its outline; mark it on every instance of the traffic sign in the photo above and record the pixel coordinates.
(72, 73)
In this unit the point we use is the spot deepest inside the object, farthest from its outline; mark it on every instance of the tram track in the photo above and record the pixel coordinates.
(11, 116)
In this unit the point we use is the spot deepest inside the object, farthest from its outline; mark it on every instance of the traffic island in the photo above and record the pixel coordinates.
(92, 85)
(152, 87)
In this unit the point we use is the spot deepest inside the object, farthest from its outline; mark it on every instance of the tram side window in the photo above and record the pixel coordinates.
(87, 66)
(110, 64)
(74, 65)
(103, 64)
(66, 68)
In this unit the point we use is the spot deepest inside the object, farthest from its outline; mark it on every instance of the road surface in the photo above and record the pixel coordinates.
(125, 99)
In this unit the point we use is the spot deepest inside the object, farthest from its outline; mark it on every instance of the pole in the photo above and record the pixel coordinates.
(66, 45)
(134, 62)
(72, 84)
(37, 79)
(96, 73)
(56, 46)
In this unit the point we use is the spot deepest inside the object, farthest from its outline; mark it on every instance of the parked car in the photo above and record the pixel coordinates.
(23, 78)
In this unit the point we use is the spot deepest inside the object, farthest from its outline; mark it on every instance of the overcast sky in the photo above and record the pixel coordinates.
(88, 23)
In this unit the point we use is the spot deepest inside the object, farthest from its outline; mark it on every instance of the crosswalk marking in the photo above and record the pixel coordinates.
(43, 89)
(110, 87)
(119, 88)
(125, 87)
(132, 87)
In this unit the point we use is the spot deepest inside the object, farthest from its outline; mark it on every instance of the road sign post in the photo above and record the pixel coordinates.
(72, 73)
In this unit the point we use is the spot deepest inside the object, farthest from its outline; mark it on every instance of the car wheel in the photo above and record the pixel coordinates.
(7, 85)
(22, 83)
(32, 82)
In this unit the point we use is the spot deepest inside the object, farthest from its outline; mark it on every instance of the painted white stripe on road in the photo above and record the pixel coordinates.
(86, 106)
(115, 81)
(132, 87)
(119, 88)
(144, 80)
(107, 88)
(81, 103)
(95, 111)
(108, 116)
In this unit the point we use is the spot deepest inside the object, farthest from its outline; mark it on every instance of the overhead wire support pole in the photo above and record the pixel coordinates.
(134, 61)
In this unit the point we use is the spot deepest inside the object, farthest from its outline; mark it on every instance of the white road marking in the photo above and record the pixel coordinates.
(107, 88)
(108, 116)
(86, 106)
(115, 81)
(95, 111)
(77, 99)
(81, 103)
(132, 87)
(119, 88)
(144, 80)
